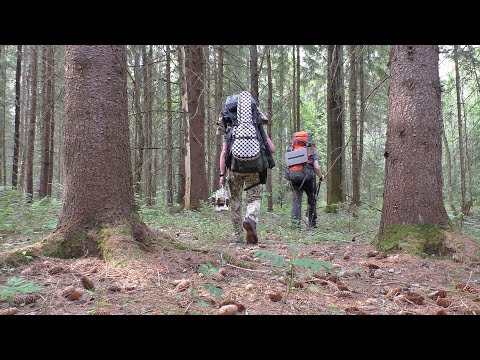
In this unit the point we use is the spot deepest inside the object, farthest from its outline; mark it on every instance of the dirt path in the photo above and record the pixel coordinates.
(178, 281)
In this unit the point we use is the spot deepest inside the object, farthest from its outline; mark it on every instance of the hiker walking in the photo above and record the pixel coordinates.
(246, 153)
(302, 165)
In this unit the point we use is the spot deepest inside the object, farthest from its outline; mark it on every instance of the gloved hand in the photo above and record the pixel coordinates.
(322, 177)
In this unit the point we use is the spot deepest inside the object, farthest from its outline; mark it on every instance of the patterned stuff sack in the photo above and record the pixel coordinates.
(299, 163)
(246, 141)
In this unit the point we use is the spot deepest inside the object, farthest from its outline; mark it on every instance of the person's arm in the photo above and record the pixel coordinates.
(221, 181)
(316, 168)
(270, 145)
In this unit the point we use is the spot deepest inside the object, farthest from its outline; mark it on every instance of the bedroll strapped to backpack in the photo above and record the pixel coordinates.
(247, 148)
(299, 164)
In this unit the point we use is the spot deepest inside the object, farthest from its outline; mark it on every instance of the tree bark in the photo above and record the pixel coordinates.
(361, 74)
(413, 173)
(335, 128)
(45, 126)
(449, 173)
(16, 145)
(169, 131)
(218, 109)
(299, 123)
(98, 183)
(182, 180)
(140, 138)
(51, 114)
(269, 127)
(353, 127)
(460, 131)
(254, 72)
(196, 109)
(25, 108)
(3, 85)
(31, 129)
(295, 128)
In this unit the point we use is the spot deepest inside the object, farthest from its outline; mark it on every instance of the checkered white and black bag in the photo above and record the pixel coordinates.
(245, 146)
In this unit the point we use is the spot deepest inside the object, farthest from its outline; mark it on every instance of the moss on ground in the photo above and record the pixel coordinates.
(418, 240)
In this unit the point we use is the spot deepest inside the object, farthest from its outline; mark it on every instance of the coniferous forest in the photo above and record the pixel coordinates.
(110, 160)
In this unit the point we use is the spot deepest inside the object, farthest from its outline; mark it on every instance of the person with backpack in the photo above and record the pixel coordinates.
(246, 153)
(301, 167)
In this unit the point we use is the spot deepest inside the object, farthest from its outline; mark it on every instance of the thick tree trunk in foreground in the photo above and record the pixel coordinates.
(413, 202)
(98, 183)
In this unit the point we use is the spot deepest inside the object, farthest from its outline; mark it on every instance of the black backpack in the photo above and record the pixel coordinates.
(247, 148)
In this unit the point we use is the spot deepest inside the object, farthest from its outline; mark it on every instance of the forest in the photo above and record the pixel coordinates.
(111, 155)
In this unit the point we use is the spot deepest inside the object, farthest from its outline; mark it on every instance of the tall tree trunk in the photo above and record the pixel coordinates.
(140, 137)
(208, 152)
(45, 126)
(413, 173)
(449, 173)
(169, 131)
(254, 72)
(299, 124)
(281, 84)
(294, 98)
(218, 109)
(182, 180)
(196, 109)
(98, 183)
(460, 131)
(25, 105)
(3, 105)
(361, 74)
(353, 127)
(148, 106)
(16, 145)
(51, 113)
(31, 128)
(269, 127)
(335, 119)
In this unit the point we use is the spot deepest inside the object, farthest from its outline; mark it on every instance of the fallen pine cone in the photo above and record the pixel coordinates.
(56, 270)
(466, 288)
(101, 312)
(228, 310)
(223, 271)
(87, 283)
(437, 294)
(182, 285)
(394, 292)
(381, 255)
(414, 298)
(372, 253)
(74, 295)
(239, 306)
(25, 299)
(114, 288)
(372, 266)
(274, 296)
(343, 294)
(9, 311)
(443, 302)
(441, 312)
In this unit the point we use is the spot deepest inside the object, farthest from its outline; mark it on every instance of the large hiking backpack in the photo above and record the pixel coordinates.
(299, 163)
(246, 140)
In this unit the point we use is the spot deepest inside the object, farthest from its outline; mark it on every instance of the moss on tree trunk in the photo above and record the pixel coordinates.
(413, 239)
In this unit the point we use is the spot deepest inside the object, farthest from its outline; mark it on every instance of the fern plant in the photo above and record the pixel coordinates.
(17, 286)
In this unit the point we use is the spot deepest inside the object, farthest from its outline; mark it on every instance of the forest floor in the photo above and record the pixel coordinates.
(283, 274)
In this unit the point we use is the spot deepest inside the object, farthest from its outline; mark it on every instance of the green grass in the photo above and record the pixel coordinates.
(23, 223)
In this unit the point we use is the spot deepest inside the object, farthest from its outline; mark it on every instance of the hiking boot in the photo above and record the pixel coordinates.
(251, 228)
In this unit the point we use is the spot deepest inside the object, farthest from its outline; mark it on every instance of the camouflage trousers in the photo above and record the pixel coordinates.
(237, 183)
